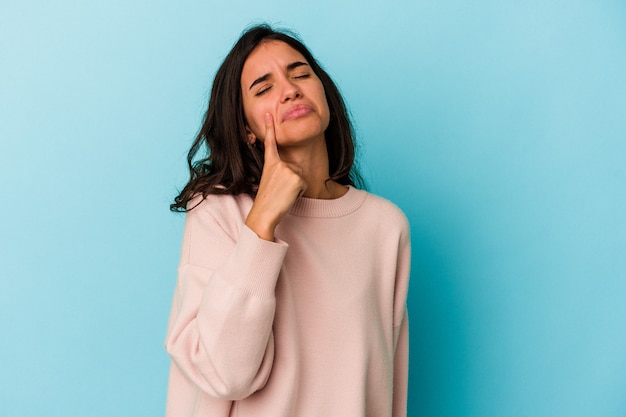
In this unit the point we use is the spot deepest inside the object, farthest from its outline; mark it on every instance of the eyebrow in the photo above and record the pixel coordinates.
(265, 77)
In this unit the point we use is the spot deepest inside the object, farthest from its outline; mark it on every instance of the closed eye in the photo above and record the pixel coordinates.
(263, 91)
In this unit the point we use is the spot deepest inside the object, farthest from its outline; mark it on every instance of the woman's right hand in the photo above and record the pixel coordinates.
(281, 184)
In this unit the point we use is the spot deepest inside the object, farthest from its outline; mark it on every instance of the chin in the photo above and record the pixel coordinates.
(301, 139)
(303, 132)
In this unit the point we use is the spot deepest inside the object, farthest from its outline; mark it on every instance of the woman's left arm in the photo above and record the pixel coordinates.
(401, 368)
(401, 326)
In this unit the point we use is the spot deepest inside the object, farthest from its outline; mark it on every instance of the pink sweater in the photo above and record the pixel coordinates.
(311, 325)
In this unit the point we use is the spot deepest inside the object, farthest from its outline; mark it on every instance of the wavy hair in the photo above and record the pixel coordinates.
(220, 160)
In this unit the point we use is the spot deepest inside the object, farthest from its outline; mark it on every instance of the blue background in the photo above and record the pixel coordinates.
(498, 127)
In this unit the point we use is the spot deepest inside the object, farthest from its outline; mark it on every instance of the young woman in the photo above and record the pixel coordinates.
(292, 282)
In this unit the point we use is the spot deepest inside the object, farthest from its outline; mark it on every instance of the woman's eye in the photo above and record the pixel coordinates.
(302, 76)
(262, 91)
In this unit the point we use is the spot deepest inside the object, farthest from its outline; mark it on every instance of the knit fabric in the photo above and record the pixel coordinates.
(311, 325)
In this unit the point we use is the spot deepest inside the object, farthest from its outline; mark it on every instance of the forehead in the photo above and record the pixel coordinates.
(268, 56)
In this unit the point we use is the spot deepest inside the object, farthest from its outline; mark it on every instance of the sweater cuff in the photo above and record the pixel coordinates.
(255, 263)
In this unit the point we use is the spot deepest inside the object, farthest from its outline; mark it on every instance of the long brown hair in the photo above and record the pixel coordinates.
(220, 160)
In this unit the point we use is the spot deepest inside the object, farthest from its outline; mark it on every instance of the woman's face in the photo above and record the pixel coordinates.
(277, 79)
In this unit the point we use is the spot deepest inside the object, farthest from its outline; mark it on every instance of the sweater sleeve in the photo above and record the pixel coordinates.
(401, 368)
(220, 331)
(401, 326)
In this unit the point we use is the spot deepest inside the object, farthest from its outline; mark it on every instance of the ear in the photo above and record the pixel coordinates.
(250, 135)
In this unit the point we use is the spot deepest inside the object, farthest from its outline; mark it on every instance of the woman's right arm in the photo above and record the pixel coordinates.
(220, 330)
(281, 183)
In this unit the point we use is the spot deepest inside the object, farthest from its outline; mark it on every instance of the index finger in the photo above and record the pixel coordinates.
(271, 148)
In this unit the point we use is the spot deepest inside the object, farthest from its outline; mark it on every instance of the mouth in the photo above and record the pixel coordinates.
(297, 111)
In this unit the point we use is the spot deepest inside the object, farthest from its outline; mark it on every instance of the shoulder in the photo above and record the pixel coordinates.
(386, 211)
(212, 226)
(217, 202)
(227, 210)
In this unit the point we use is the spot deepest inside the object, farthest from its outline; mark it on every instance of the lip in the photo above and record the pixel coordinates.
(297, 111)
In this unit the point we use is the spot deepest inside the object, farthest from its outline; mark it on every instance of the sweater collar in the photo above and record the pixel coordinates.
(337, 207)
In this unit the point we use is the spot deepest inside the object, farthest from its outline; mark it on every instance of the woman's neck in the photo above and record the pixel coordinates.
(312, 159)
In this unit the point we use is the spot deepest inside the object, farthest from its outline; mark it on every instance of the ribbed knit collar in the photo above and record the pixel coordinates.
(337, 207)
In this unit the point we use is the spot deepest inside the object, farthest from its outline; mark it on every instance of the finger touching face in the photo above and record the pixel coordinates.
(277, 79)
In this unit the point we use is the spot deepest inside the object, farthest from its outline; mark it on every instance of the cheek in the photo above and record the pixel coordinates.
(325, 110)
(320, 94)
(254, 119)
(254, 125)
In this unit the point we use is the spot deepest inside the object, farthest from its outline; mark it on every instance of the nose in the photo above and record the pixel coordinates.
(290, 91)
